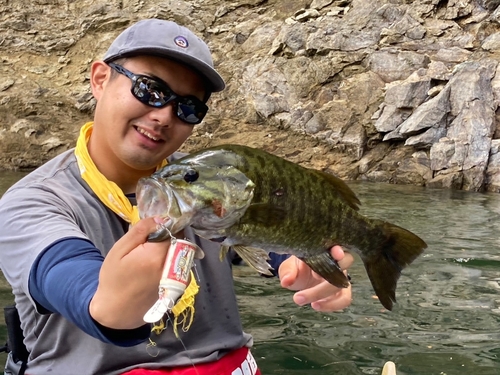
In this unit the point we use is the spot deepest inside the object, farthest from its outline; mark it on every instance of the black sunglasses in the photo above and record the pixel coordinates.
(156, 93)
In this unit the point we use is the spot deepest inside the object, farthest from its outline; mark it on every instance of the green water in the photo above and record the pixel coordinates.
(446, 322)
(447, 318)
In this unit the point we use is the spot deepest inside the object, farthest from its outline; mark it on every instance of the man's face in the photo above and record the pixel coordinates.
(133, 135)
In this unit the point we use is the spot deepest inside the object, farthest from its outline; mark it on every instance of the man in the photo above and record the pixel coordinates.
(82, 277)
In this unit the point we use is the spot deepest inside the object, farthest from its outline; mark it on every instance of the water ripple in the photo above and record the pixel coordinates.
(447, 317)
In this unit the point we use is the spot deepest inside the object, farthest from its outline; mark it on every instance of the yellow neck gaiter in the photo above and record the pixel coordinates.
(113, 197)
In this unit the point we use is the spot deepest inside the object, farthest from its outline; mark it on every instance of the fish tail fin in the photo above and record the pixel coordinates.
(398, 249)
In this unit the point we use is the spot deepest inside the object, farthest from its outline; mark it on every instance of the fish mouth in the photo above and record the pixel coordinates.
(158, 199)
(153, 199)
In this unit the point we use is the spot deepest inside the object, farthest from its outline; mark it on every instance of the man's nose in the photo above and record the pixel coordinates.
(165, 116)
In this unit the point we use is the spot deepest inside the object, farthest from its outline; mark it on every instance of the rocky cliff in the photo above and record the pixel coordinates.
(396, 91)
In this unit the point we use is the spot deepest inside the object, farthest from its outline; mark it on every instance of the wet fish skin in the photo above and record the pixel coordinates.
(304, 212)
(183, 200)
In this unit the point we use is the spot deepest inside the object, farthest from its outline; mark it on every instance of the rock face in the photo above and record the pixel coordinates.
(390, 91)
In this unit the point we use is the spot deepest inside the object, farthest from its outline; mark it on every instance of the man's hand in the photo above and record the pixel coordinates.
(129, 278)
(312, 288)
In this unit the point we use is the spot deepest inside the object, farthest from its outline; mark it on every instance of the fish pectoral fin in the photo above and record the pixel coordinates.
(255, 258)
(223, 252)
(265, 214)
(328, 268)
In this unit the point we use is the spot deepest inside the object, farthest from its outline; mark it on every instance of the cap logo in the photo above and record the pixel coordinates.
(181, 41)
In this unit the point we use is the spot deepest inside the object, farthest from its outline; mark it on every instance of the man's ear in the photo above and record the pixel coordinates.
(100, 73)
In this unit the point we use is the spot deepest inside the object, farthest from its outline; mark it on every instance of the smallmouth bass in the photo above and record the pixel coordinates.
(257, 203)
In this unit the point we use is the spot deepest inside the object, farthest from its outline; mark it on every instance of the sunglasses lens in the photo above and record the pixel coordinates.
(191, 111)
(150, 92)
(156, 94)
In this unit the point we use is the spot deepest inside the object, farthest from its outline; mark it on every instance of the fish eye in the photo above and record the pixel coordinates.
(191, 175)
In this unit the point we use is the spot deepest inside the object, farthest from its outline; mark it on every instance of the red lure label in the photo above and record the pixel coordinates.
(182, 261)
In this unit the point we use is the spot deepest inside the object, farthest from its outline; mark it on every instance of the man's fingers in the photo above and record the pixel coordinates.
(315, 293)
(288, 271)
(137, 235)
(343, 258)
(346, 261)
(296, 275)
(337, 253)
(336, 302)
(324, 297)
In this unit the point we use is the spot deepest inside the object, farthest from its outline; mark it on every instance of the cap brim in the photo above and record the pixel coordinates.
(210, 74)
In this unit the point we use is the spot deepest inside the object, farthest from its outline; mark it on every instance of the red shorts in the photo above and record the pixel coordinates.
(238, 362)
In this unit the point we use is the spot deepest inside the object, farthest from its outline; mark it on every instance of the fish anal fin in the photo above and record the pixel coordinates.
(327, 267)
(255, 258)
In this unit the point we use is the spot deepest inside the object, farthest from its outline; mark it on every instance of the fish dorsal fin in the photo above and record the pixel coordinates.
(343, 189)
(264, 214)
(255, 258)
(218, 156)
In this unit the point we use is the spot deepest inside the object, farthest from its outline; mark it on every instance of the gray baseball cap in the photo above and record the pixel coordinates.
(166, 39)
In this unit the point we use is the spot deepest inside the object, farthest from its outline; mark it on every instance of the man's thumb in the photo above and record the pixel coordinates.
(288, 272)
(138, 234)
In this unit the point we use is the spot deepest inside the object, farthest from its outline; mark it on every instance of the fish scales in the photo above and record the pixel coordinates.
(308, 222)
(257, 202)
(277, 190)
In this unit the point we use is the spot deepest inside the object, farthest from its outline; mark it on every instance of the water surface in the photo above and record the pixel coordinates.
(447, 318)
